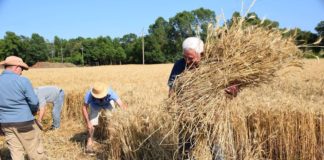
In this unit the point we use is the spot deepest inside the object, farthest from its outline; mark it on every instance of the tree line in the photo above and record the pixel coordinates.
(162, 44)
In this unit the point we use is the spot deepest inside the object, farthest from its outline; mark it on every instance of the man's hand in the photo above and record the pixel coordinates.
(121, 104)
(232, 90)
(39, 124)
(35, 113)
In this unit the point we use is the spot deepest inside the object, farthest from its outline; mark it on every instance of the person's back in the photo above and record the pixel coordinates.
(50, 94)
(15, 104)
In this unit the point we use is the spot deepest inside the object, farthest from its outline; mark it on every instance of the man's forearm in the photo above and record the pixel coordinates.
(121, 104)
(85, 113)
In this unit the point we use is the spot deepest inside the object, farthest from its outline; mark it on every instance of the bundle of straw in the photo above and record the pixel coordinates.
(246, 56)
(139, 133)
(240, 55)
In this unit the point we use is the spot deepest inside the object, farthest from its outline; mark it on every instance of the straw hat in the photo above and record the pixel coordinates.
(99, 90)
(14, 61)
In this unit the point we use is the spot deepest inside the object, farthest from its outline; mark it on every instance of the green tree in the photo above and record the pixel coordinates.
(37, 49)
(203, 17)
(235, 16)
(154, 57)
(181, 28)
(253, 19)
(157, 40)
(59, 45)
(183, 25)
(320, 31)
(129, 43)
(158, 34)
(88, 46)
(320, 28)
(104, 50)
(73, 50)
(267, 23)
(186, 24)
(119, 53)
(12, 45)
(304, 39)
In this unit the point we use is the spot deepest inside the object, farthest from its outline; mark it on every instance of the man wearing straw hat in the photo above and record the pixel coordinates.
(18, 103)
(54, 95)
(193, 49)
(99, 97)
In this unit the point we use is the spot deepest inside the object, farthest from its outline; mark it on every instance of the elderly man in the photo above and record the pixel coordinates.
(18, 103)
(99, 97)
(193, 49)
(54, 95)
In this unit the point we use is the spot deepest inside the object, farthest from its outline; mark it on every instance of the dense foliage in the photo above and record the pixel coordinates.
(162, 43)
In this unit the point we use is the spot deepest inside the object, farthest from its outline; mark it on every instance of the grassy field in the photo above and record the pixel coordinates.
(137, 85)
(144, 90)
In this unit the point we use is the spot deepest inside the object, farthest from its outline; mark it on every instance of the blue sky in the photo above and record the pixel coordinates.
(93, 18)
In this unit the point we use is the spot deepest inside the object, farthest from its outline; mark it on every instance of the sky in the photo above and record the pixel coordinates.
(93, 18)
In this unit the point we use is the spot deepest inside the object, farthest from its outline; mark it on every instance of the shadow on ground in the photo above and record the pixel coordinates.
(81, 139)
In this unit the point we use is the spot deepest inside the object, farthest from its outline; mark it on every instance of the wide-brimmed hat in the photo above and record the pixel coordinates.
(14, 61)
(99, 90)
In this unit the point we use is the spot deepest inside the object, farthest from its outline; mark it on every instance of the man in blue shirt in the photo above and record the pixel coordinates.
(18, 103)
(99, 97)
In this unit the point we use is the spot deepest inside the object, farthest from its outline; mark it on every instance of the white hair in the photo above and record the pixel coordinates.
(193, 43)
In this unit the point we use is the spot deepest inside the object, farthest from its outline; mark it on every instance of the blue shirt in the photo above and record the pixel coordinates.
(17, 98)
(47, 94)
(105, 103)
(178, 67)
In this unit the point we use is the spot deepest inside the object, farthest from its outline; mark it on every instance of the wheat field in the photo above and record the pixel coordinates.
(143, 88)
(137, 86)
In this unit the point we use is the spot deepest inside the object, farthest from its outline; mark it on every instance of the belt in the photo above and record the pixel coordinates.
(17, 124)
